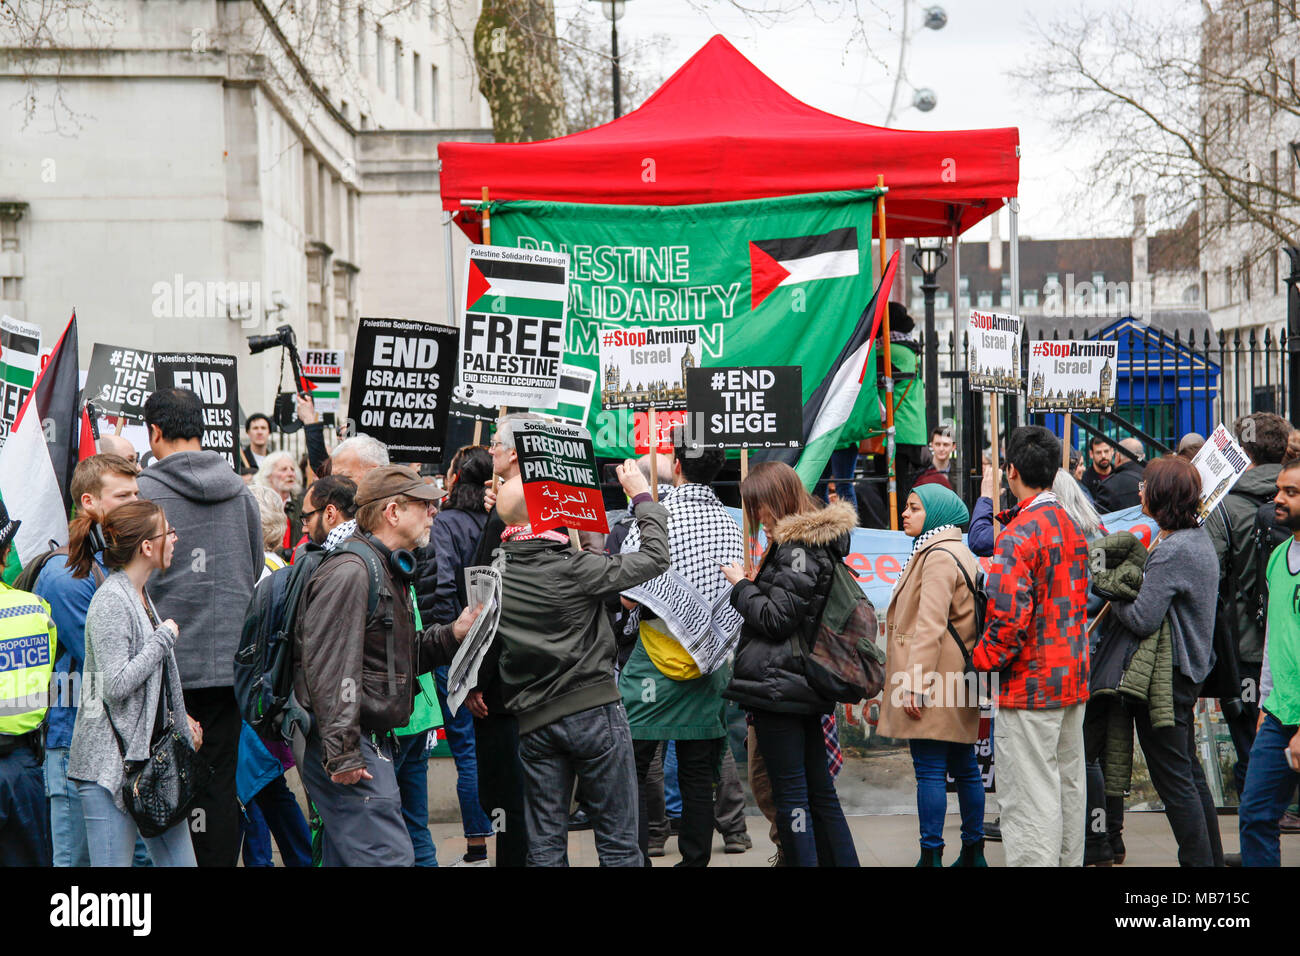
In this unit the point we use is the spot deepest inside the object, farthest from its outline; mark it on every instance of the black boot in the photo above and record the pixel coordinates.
(972, 854)
(930, 857)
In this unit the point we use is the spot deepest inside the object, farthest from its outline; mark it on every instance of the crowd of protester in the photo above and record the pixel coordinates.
(597, 682)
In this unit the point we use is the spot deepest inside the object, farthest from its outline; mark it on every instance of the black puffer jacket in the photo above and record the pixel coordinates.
(785, 599)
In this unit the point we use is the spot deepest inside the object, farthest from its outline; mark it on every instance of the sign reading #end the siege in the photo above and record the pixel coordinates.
(1220, 462)
(993, 352)
(513, 331)
(119, 381)
(557, 464)
(1068, 376)
(214, 378)
(753, 407)
(402, 375)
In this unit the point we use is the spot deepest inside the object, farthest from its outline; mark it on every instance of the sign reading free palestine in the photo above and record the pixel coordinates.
(766, 282)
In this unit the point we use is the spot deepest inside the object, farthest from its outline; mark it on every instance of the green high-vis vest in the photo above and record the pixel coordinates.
(27, 644)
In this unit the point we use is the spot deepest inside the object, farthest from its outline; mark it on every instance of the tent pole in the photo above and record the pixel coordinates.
(449, 270)
(1013, 216)
(890, 447)
(487, 219)
(958, 326)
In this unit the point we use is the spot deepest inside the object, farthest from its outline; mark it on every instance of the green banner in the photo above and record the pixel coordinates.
(767, 282)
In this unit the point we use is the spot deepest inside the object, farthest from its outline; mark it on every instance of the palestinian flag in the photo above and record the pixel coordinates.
(829, 407)
(515, 288)
(778, 262)
(49, 436)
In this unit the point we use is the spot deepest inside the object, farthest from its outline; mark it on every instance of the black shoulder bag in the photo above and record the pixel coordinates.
(159, 792)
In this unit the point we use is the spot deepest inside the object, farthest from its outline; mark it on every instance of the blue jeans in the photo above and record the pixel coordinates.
(460, 738)
(1270, 781)
(672, 792)
(809, 819)
(932, 761)
(594, 745)
(411, 764)
(111, 834)
(67, 829)
(843, 463)
(275, 811)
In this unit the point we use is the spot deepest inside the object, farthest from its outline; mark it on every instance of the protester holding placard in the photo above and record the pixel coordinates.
(1231, 526)
(1178, 585)
(786, 596)
(1037, 585)
(557, 673)
(685, 621)
(930, 630)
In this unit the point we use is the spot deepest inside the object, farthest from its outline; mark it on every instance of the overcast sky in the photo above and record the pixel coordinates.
(965, 64)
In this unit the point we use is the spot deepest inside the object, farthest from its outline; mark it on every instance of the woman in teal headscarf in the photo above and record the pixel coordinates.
(930, 631)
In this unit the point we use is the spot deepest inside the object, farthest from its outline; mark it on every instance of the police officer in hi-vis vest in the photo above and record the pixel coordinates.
(27, 636)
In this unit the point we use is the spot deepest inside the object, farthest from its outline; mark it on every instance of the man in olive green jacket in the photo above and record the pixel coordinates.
(557, 673)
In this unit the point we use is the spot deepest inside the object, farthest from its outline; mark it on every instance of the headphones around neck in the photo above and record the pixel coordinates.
(401, 562)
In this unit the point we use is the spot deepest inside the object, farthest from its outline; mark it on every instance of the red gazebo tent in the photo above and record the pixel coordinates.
(719, 129)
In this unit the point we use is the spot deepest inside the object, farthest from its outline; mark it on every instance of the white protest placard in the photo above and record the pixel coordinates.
(645, 366)
(1069, 375)
(324, 369)
(1220, 462)
(573, 401)
(993, 352)
(20, 361)
(513, 331)
(482, 586)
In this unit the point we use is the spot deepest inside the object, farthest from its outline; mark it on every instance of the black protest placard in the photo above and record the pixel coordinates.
(747, 407)
(215, 379)
(402, 377)
(557, 464)
(119, 381)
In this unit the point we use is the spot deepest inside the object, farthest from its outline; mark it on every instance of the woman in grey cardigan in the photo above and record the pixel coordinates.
(126, 651)
(1180, 582)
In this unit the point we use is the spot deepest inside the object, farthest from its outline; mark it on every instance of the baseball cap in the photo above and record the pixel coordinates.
(389, 480)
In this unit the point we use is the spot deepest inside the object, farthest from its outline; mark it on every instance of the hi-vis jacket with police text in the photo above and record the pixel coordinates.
(27, 639)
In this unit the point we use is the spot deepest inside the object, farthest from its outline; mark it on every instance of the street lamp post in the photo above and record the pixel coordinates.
(929, 258)
(613, 13)
(1293, 330)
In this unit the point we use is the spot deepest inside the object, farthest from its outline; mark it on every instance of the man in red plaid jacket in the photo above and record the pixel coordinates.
(1035, 639)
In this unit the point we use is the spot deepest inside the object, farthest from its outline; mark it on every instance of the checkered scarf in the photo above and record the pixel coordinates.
(692, 597)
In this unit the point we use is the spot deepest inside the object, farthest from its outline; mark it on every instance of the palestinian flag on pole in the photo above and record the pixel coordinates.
(50, 435)
(829, 407)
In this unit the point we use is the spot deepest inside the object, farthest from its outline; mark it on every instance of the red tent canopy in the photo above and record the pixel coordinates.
(718, 130)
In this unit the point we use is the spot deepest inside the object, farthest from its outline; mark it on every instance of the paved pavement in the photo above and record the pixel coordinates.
(892, 841)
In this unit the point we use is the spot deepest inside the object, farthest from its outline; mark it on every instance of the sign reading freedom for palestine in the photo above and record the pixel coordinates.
(215, 379)
(402, 375)
(558, 467)
(744, 407)
(512, 333)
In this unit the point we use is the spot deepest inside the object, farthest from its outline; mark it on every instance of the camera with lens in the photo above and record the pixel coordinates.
(284, 413)
(281, 337)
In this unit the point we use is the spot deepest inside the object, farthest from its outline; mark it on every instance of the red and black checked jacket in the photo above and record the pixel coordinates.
(1038, 591)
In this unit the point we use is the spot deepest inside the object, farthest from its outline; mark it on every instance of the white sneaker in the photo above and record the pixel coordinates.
(461, 861)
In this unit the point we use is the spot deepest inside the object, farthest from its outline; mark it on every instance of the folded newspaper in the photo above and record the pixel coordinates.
(707, 631)
(482, 586)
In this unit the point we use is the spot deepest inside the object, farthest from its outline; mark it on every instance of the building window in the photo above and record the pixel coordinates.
(417, 77)
(965, 302)
(1053, 279)
(916, 285)
(965, 284)
(343, 108)
(942, 300)
(986, 300)
(397, 69)
(433, 94)
(379, 57)
(365, 121)
(361, 40)
(918, 304)
(1227, 285)
(1030, 297)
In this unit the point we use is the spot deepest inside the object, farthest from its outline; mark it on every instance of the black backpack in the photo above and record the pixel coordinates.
(264, 660)
(980, 593)
(1266, 535)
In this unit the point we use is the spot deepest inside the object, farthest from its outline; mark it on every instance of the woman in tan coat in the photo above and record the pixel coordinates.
(927, 700)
